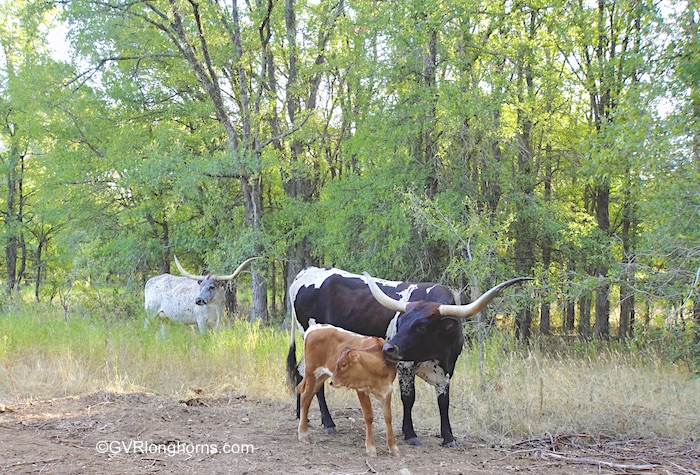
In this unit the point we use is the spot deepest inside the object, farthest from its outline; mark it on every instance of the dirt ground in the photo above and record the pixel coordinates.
(109, 433)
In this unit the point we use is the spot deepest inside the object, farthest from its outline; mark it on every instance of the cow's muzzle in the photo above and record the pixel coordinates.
(200, 301)
(391, 353)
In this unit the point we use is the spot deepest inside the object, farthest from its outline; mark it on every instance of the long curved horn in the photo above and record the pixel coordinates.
(383, 298)
(237, 271)
(215, 277)
(463, 311)
(187, 274)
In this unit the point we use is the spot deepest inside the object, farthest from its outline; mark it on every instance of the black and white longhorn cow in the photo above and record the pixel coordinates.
(415, 318)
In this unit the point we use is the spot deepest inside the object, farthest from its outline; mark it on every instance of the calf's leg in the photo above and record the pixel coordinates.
(390, 437)
(326, 419)
(366, 405)
(306, 392)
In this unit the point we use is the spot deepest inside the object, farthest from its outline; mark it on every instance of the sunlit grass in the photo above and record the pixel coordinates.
(609, 391)
(614, 393)
(42, 356)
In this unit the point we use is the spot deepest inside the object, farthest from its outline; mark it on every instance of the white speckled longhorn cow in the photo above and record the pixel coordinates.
(419, 320)
(190, 300)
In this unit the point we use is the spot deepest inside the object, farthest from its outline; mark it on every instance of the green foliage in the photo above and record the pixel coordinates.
(360, 227)
(461, 143)
(673, 339)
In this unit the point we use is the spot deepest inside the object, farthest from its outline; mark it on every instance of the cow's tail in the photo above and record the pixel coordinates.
(292, 373)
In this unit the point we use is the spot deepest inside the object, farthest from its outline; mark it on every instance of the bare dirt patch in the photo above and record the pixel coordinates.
(142, 433)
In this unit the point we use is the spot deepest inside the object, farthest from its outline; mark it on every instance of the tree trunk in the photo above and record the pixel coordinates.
(523, 323)
(252, 201)
(298, 257)
(39, 265)
(232, 297)
(13, 219)
(569, 315)
(300, 184)
(584, 317)
(526, 180)
(602, 302)
(11, 262)
(628, 259)
(601, 329)
(545, 311)
(545, 318)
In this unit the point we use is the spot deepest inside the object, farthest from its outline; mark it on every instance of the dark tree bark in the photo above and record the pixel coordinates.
(601, 328)
(546, 243)
(13, 214)
(627, 313)
(584, 318)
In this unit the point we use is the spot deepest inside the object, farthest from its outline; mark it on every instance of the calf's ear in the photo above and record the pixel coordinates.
(344, 353)
(348, 355)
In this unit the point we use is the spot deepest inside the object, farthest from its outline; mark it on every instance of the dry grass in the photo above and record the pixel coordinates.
(611, 393)
(41, 356)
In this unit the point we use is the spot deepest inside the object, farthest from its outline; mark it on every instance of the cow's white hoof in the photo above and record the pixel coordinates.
(304, 437)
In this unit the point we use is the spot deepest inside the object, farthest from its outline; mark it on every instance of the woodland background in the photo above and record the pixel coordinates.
(465, 142)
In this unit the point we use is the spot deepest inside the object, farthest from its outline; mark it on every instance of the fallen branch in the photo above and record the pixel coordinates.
(684, 469)
(18, 464)
(599, 463)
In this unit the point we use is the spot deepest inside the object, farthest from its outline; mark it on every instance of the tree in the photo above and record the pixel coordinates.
(232, 65)
(27, 75)
(606, 54)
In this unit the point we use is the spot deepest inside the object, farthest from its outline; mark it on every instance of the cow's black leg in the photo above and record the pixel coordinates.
(407, 383)
(297, 380)
(443, 401)
(326, 419)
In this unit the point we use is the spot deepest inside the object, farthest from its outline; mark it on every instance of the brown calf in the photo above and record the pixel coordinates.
(352, 361)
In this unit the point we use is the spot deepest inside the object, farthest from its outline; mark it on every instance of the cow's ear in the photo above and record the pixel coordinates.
(448, 324)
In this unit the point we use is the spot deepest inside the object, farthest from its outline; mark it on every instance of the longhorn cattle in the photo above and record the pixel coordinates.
(190, 300)
(419, 320)
(351, 361)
